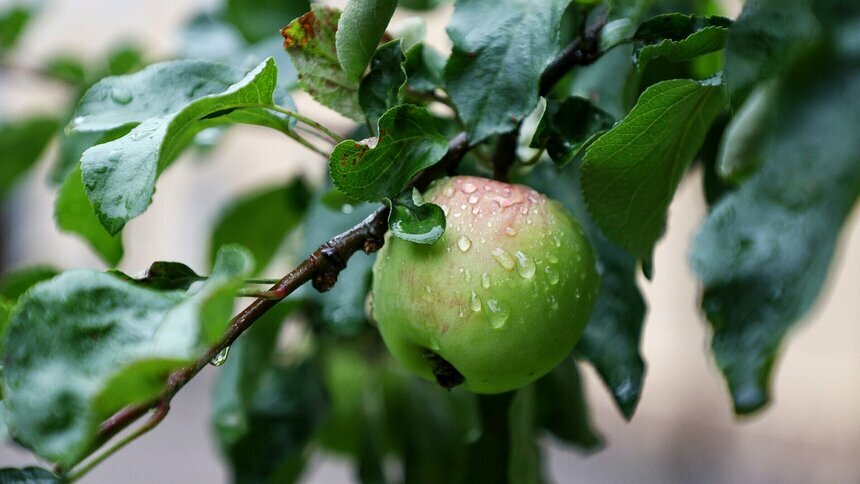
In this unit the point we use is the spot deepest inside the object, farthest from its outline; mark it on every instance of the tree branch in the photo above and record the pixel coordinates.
(584, 50)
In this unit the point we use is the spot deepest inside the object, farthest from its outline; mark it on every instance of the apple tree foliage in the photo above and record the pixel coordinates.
(625, 98)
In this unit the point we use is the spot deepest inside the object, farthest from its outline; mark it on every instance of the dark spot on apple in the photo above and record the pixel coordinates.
(446, 375)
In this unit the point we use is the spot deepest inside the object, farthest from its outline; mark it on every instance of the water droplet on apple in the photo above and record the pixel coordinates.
(464, 243)
(469, 187)
(475, 303)
(551, 275)
(510, 231)
(498, 313)
(525, 265)
(503, 258)
(485, 280)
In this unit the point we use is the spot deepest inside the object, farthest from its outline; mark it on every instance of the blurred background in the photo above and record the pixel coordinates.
(684, 429)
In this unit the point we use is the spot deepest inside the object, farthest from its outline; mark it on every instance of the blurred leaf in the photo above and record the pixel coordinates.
(378, 168)
(166, 276)
(341, 310)
(424, 68)
(382, 87)
(265, 413)
(739, 155)
(764, 249)
(501, 48)
(209, 37)
(568, 127)
(125, 59)
(629, 175)
(562, 408)
(261, 220)
(85, 344)
(767, 38)
(414, 220)
(13, 20)
(610, 83)
(524, 465)
(310, 42)
(16, 282)
(258, 19)
(612, 336)
(21, 145)
(68, 69)
(428, 426)
(120, 175)
(359, 30)
(423, 4)
(72, 147)
(679, 37)
(28, 475)
(74, 213)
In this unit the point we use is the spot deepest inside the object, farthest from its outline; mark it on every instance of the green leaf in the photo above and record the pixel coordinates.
(16, 282)
(562, 408)
(28, 475)
(423, 4)
(382, 87)
(501, 48)
(21, 145)
(166, 276)
(524, 464)
(678, 37)
(310, 42)
(414, 220)
(341, 310)
(612, 336)
(424, 68)
(258, 19)
(630, 174)
(13, 20)
(119, 176)
(764, 250)
(74, 214)
(379, 167)
(359, 30)
(261, 220)
(66, 338)
(738, 155)
(568, 127)
(72, 147)
(765, 40)
(86, 344)
(266, 411)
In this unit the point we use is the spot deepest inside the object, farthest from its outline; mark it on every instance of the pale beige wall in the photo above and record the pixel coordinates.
(684, 430)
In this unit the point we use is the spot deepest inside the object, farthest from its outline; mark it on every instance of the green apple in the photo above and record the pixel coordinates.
(499, 300)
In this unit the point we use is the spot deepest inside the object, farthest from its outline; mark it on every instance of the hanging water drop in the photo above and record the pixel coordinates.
(220, 358)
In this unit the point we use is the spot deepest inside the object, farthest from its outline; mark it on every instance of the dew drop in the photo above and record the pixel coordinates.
(551, 275)
(525, 265)
(553, 302)
(475, 303)
(464, 243)
(552, 258)
(485, 280)
(434, 344)
(427, 296)
(510, 231)
(469, 187)
(473, 199)
(468, 275)
(121, 95)
(556, 241)
(220, 358)
(476, 210)
(498, 313)
(506, 192)
(503, 258)
(449, 191)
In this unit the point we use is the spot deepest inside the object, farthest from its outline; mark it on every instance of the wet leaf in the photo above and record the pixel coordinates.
(378, 168)
(679, 37)
(414, 220)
